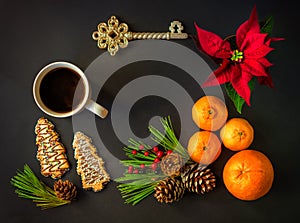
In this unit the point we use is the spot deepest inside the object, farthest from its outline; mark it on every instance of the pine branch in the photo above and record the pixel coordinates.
(136, 163)
(136, 187)
(134, 145)
(30, 187)
(150, 177)
(149, 189)
(169, 141)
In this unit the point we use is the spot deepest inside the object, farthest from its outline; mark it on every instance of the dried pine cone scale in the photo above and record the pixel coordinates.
(65, 190)
(169, 190)
(199, 180)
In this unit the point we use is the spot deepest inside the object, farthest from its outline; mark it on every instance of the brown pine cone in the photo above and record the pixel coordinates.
(199, 180)
(169, 190)
(65, 190)
(171, 164)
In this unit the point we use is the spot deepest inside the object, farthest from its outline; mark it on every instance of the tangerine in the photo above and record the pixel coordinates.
(209, 113)
(204, 147)
(248, 175)
(237, 134)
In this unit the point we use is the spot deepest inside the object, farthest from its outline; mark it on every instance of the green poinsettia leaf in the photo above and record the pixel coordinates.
(267, 25)
(235, 97)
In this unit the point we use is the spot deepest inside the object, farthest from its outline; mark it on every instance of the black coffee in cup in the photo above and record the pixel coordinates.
(62, 90)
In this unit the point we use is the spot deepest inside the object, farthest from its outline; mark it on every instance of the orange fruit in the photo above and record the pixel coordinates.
(209, 113)
(237, 134)
(248, 175)
(204, 147)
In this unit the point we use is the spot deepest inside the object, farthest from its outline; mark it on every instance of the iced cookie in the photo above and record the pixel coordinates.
(51, 153)
(89, 165)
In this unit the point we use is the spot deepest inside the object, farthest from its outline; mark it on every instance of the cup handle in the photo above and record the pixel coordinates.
(96, 108)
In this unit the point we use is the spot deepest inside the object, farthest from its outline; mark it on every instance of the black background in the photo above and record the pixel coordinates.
(35, 33)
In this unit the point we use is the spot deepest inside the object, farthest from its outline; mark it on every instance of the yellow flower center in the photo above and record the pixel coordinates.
(237, 56)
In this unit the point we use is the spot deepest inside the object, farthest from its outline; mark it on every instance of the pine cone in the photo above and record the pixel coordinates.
(198, 179)
(171, 164)
(169, 190)
(65, 190)
(187, 168)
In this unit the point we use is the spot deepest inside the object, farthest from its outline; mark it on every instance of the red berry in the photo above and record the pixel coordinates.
(156, 160)
(153, 166)
(142, 166)
(141, 147)
(136, 171)
(155, 148)
(159, 154)
(130, 169)
(134, 152)
(146, 153)
(169, 152)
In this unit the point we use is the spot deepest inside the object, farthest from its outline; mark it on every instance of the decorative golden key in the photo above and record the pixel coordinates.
(114, 34)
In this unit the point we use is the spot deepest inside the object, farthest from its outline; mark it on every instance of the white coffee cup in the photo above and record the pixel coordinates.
(85, 101)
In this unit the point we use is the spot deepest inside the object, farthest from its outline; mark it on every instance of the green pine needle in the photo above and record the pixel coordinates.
(168, 140)
(30, 187)
(136, 187)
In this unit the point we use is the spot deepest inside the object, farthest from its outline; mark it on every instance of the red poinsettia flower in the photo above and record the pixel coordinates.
(239, 65)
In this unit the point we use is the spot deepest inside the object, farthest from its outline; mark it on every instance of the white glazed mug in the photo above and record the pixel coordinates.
(85, 99)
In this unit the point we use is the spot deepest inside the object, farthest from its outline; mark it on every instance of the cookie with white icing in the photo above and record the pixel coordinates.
(89, 165)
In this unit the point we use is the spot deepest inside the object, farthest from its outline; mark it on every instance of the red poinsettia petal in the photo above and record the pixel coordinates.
(253, 41)
(254, 67)
(274, 39)
(263, 61)
(220, 76)
(250, 26)
(266, 81)
(255, 45)
(260, 52)
(240, 84)
(212, 44)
